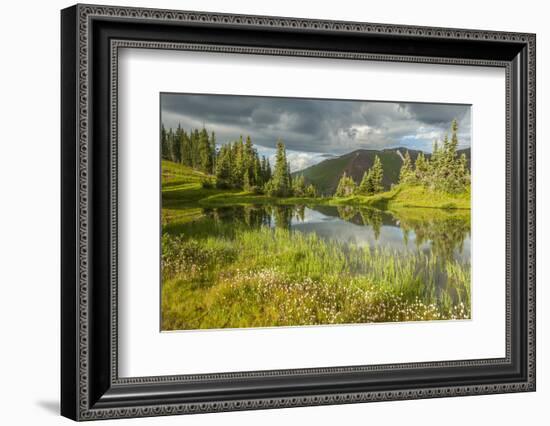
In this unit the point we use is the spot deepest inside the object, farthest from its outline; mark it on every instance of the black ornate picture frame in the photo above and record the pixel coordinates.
(90, 38)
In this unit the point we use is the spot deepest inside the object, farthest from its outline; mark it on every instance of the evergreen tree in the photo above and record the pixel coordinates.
(421, 167)
(366, 187)
(266, 170)
(454, 136)
(247, 186)
(257, 171)
(205, 154)
(463, 172)
(435, 178)
(299, 186)
(195, 153)
(186, 150)
(406, 174)
(311, 191)
(346, 186)
(213, 151)
(248, 157)
(171, 144)
(223, 168)
(164, 147)
(445, 171)
(279, 185)
(288, 174)
(176, 145)
(237, 172)
(377, 175)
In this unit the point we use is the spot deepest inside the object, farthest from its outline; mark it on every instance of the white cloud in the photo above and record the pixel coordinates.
(298, 160)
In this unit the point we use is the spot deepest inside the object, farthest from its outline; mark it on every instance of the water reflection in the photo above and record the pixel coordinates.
(442, 233)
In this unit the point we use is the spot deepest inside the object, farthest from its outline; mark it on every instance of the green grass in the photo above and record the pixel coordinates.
(406, 197)
(227, 277)
(181, 187)
(246, 198)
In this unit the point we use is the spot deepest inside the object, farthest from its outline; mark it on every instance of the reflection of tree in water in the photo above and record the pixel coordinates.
(445, 230)
(347, 213)
(446, 234)
(300, 212)
(252, 216)
(256, 216)
(406, 237)
(372, 217)
(283, 216)
(362, 216)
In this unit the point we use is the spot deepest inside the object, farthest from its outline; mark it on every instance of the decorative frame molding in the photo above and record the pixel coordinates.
(91, 388)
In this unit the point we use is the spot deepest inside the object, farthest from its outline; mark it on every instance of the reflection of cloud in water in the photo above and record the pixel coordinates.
(388, 236)
(345, 232)
(464, 254)
(313, 216)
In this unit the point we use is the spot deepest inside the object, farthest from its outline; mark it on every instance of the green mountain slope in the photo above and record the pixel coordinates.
(326, 174)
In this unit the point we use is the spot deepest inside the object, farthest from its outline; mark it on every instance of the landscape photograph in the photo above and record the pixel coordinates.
(281, 211)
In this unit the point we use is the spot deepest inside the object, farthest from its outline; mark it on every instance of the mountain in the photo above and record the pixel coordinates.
(326, 174)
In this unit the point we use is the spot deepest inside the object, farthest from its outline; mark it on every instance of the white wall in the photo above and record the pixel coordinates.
(29, 211)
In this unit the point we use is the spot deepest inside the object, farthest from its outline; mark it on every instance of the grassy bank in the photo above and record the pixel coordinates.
(182, 187)
(405, 196)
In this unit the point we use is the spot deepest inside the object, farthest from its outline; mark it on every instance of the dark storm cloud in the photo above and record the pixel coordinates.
(435, 114)
(316, 126)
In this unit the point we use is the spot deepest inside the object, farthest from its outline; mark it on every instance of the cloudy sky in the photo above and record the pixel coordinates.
(314, 129)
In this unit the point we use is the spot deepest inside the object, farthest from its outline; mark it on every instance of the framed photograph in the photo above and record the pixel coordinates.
(263, 212)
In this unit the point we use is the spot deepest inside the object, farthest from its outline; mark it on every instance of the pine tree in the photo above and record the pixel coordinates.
(223, 168)
(247, 186)
(257, 171)
(195, 152)
(433, 169)
(205, 154)
(406, 174)
(171, 145)
(299, 186)
(237, 172)
(311, 191)
(164, 147)
(445, 171)
(186, 150)
(266, 170)
(177, 145)
(464, 174)
(421, 167)
(248, 155)
(366, 187)
(213, 151)
(454, 135)
(377, 175)
(454, 174)
(288, 175)
(279, 185)
(346, 186)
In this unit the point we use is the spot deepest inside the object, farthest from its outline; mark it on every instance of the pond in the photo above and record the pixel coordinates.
(445, 234)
